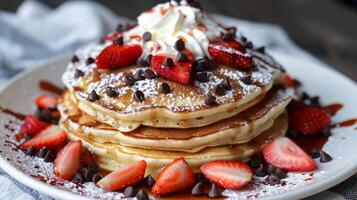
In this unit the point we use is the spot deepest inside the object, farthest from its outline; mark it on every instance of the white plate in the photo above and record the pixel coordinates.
(20, 92)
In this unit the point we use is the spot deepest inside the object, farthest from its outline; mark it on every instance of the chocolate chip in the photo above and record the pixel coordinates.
(227, 84)
(315, 101)
(249, 45)
(93, 167)
(315, 153)
(111, 92)
(78, 178)
(326, 132)
(179, 45)
(325, 157)
(150, 181)
(220, 90)
(280, 173)
(256, 161)
(260, 171)
(129, 80)
(93, 96)
(164, 88)
(138, 96)
(168, 62)
(139, 75)
(197, 190)
(273, 179)
(87, 174)
(201, 77)
(271, 169)
(147, 36)
(30, 151)
(42, 152)
(200, 65)
(243, 39)
(49, 157)
(141, 62)
(90, 61)
(118, 40)
(202, 178)
(292, 133)
(246, 80)
(210, 100)
(305, 96)
(182, 57)
(96, 177)
(129, 192)
(149, 74)
(148, 59)
(228, 36)
(142, 195)
(75, 59)
(78, 73)
(261, 49)
(231, 29)
(214, 192)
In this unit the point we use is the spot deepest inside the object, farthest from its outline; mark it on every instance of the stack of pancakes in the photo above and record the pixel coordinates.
(121, 130)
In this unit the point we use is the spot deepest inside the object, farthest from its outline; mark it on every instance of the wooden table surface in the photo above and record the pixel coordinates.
(326, 28)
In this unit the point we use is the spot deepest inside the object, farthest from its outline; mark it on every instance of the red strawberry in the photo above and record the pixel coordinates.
(289, 81)
(124, 176)
(87, 157)
(286, 155)
(179, 72)
(230, 53)
(296, 105)
(228, 174)
(46, 101)
(310, 120)
(50, 138)
(175, 177)
(67, 162)
(115, 56)
(30, 127)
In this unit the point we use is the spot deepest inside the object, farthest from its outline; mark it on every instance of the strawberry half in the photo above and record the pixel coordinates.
(46, 101)
(175, 177)
(50, 138)
(30, 127)
(116, 56)
(67, 162)
(230, 53)
(123, 177)
(179, 72)
(228, 174)
(285, 154)
(310, 120)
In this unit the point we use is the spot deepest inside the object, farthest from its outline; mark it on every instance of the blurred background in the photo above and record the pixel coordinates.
(326, 28)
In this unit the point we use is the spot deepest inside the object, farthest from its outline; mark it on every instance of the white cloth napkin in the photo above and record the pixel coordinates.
(35, 34)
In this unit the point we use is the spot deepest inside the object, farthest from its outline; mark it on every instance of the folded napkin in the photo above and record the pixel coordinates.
(36, 34)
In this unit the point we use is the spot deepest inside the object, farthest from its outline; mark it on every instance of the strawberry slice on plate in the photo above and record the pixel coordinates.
(177, 176)
(30, 127)
(228, 174)
(285, 154)
(67, 162)
(125, 176)
(230, 53)
(116, 56)
(179, 71)
(310, 120)
(50, 137)
(46, 101)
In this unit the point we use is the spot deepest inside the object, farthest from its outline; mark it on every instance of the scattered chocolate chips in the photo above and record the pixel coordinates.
(202, 77)
(129, 80)
(168, 62)
(179, 45)
(49, 157)
(139, 75)
(256, 161)
(111, 92)
(75, 59)
(78, 178)
(326, 132)
(90, 60)
(42, 152)
(273, 179)
(138, 96)
(147, 36)
(203, 65)
(214, 192)
(78, 73)
(118, 40)
(87, 174)
(228, 36)
(149, 74)
(220, 90)
(164, 88)
(315, 101)
(202, 178)
(249, 45)
(197, 190)
(315, 153)
(93, 167)
(260, 171)
(141, 62)
(325, 157)
(182, 57)
(243, 39)
(142, 195)
(129, 192)
(227, 84)
(30, 151)
(231, 29)
(261, 49)
(246, 80)
(93, 96)
(271, 169)
(280, 173)
(150, 181)
(210, 100)
(96, 177)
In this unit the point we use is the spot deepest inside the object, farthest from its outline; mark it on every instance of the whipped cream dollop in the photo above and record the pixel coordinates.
(171, 21)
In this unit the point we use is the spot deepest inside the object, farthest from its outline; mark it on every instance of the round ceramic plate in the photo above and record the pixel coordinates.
(20, 92)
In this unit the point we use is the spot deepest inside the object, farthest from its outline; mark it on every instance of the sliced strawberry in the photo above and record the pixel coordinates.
(87, 157)
(67, 162)
(179, 72)
(115, 56)
(46, 101)
(175, 177)
(228, 174)
(49, 138)
(310, 120)
(230, 53)
(289, 81)
(286, 155)
(125, 176)
(30, 127)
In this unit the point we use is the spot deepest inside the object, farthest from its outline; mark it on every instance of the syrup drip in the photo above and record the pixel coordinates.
(333, 108)
(48, 86)
(346, 123)
(309, 142)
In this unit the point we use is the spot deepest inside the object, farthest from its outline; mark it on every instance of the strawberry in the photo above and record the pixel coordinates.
(179, 72)
(310, 120)
(289, 81)
(296, 105)
(87, 157)
(67, 162)
(46, 101)
(115, 56)
(124, 176)
(30, 127)
(175, 177)
(227, 174)
(285, 154)
(230, 53)
(49, 138)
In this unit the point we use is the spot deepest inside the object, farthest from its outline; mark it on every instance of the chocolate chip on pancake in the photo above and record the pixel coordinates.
(138, 96)
(111, 92)
(139, 75)
(210, 100)
(142, 62)
(90, 60)
(202, 77)
(129, 80)
(165, 88)
(182, 57)
(246, 80)
(147, 36)
(179, 45)
(78, 73)
(93, 96)
(227, 84)
(75, 59)
(149, 74)
(119, 40)
(220, 90)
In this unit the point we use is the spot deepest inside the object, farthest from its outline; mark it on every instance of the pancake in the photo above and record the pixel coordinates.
(111, 156)
(238, 129)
